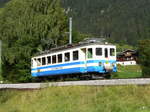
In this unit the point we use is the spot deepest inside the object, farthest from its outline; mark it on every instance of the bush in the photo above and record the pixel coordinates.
(144, 57)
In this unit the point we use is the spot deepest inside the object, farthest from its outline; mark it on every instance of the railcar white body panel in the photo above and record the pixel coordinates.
(78, 59)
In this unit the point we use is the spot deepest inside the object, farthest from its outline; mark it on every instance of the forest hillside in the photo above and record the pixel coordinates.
(116, 20)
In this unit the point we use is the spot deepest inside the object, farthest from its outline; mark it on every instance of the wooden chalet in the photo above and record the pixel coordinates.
(127, 57)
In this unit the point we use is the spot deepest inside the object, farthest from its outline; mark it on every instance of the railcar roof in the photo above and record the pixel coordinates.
(61, 48)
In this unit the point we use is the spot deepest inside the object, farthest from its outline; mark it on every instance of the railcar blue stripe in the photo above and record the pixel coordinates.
(60, 72)
(73, 63)
(98, 69)
(97, 61)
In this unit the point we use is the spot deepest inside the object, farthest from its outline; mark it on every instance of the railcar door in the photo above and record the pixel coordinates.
(84, 57)
(106, 52)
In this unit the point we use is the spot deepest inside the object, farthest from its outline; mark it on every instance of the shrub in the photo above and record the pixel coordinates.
(144, 57)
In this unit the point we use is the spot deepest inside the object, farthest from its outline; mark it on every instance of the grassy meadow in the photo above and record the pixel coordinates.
(77, 99)
(130, 71)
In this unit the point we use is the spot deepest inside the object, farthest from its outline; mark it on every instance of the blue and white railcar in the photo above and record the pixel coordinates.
(78, 59)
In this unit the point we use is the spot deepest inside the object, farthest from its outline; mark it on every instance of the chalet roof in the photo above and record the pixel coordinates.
(127, 52)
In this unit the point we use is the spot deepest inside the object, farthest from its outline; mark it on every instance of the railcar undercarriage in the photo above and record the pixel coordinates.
(72, 77)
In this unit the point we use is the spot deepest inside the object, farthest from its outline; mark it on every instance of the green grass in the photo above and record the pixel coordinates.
(131, 71)
(78, 99)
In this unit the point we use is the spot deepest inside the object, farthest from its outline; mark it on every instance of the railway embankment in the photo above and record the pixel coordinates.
(111, 82)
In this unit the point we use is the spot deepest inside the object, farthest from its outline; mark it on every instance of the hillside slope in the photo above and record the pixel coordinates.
(119, 20)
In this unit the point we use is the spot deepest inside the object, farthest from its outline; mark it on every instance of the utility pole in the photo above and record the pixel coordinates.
(0, 52)
(70, 30)
(0, 58)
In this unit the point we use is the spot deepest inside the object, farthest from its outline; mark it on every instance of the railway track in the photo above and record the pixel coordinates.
(111, 82)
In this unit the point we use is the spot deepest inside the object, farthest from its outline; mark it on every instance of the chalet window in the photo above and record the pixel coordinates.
(75, 55)
(67, 56)
(112, 52)
(59, 57)
(90, 53)
(43, 61)
(48, 59)
(99, 51)
(39, 62)
(53, 59)
(106, 53)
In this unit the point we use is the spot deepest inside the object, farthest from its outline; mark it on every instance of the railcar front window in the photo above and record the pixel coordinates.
(39, 62)
(99, 51)
(67, 56)
(43, 61)
(106, 53)
(48, 59)
(59, 56)
(53, 59)
(75, 55)
(90, 53)
(112, 52)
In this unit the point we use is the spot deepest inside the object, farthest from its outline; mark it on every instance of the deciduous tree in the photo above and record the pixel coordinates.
(27, 27)
(144, 57)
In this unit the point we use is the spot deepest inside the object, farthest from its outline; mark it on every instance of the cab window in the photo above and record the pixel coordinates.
(38, 62)
(112, 52)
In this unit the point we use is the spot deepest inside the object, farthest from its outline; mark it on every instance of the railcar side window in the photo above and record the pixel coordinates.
(59, 57)
(112, 52)
(90, 53)
(48, 59)
(106, 53)
(39, 62)
(67, 56)
(53, 59)
(43, 61)
(75, 55)
(99, 51)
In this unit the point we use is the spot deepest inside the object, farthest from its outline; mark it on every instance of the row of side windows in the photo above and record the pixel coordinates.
(57, 58)
(99, 52)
